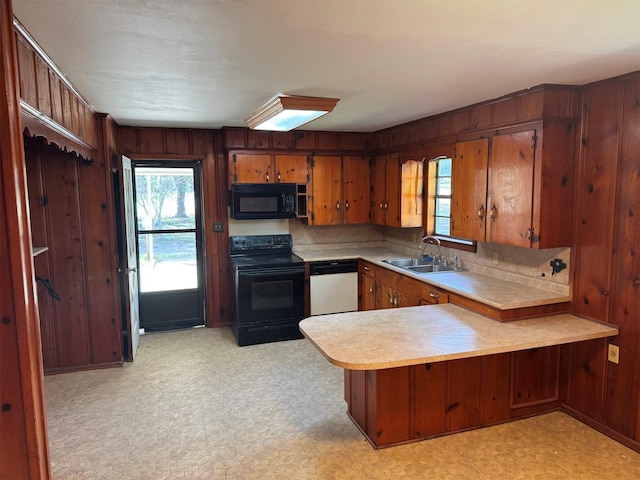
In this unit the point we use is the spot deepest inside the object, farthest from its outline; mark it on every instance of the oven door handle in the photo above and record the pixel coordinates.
(271, 271)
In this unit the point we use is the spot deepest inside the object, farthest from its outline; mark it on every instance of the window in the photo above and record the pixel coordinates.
(442, 220)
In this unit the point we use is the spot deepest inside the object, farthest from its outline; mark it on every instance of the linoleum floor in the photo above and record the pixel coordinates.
(194, 405)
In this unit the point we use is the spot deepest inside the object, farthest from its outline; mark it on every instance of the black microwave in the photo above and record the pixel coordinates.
(251, 201)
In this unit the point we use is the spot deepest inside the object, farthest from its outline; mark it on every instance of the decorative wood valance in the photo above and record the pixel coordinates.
(36, 124)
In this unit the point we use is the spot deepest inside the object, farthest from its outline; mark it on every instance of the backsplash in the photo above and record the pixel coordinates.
(524, 265)
(340, 234)
(512, 261)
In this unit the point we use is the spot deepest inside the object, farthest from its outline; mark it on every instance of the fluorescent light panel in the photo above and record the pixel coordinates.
(286, 112)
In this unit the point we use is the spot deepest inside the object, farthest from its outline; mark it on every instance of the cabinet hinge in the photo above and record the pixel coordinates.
(532, 235)
(235, 178)
(313, 162)
(235, 159)
(313, 217)
(534, 142)
(308, 177)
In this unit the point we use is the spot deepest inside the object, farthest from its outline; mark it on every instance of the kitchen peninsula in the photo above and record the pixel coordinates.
(418, 372)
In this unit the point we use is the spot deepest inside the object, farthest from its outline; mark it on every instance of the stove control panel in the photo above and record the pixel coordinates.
(253, 243)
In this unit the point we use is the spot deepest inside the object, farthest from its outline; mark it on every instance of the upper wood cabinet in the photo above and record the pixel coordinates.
(268, 168)
(340, 192)
(397, 191)
(515, 188)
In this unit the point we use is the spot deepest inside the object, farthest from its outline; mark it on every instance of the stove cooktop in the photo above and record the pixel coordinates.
(267, 260)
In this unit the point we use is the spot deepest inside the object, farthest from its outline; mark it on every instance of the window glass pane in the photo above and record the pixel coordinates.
(443, 186)
(168, 261)
(443, 207)
(444, 167)
(442, 226)
(164, 198)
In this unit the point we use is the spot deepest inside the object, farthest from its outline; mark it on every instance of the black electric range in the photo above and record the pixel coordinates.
(269, 289)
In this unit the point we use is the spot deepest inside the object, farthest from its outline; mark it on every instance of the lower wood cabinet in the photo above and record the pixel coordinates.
(403, 404)
(382, 288)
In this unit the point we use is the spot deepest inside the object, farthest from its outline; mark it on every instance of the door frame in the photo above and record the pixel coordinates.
(196, 165)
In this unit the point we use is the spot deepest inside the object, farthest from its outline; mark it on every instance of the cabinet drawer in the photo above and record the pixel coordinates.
(434, 295)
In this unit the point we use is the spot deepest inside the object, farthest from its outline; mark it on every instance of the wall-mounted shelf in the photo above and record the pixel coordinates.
(39, 250)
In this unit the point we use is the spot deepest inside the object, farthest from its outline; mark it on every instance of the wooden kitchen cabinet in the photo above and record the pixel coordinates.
(514, 189)
(340, 192)
(397, 191)
(268, 168)
(390, 297)
(381, 288)
(366, 286)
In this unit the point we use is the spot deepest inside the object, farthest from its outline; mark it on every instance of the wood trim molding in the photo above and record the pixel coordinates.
(24, 450)
(37, 124)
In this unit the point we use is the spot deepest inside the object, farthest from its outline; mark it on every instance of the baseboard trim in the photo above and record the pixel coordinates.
(609, 432)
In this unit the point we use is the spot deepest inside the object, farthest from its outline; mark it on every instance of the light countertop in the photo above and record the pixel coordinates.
(491, 290)
(378, 339)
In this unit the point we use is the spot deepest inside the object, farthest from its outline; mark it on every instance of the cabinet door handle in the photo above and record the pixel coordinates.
(366, 268)
(371, 290)
(434, 295)
(382, 205)
(267, 177)
(338, 205)
(493, 213)
(386, 205)
(481, 212)
(346, 204)
(279, 178)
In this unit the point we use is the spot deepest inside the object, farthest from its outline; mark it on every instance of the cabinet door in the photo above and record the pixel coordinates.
(407, 299)
(356, 184)
(378, 179)
(291, 169)
(250, 168)
(326, 192)
(367, 293)
(386, 296)
(393, 182)
(410, 194)
(510, 196)
(469, 189)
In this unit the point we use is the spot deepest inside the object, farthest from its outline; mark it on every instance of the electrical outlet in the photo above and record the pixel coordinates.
(614, 353)
(494, 260)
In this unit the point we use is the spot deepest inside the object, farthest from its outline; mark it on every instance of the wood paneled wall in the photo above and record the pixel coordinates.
(519, 108)
(607, 264)
(51, 106)
(236, 138)
(70, 204)
(167, 144)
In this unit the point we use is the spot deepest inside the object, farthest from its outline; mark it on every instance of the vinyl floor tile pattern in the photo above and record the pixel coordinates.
(194, 405)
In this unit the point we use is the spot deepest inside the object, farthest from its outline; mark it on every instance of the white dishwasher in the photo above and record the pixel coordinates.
(334, 286)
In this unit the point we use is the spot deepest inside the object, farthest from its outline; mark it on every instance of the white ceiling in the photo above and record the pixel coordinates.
(208, 64)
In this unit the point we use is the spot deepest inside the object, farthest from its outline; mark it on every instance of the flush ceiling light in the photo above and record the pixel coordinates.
(286, 112)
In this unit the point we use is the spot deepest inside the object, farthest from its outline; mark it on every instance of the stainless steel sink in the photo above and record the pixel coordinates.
(430, 269)
(419, 266)
(406, 262)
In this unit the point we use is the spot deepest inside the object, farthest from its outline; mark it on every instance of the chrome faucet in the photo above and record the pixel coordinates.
(429, 239)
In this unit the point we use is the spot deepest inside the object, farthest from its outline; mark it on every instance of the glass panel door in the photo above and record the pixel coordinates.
(168, 214)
